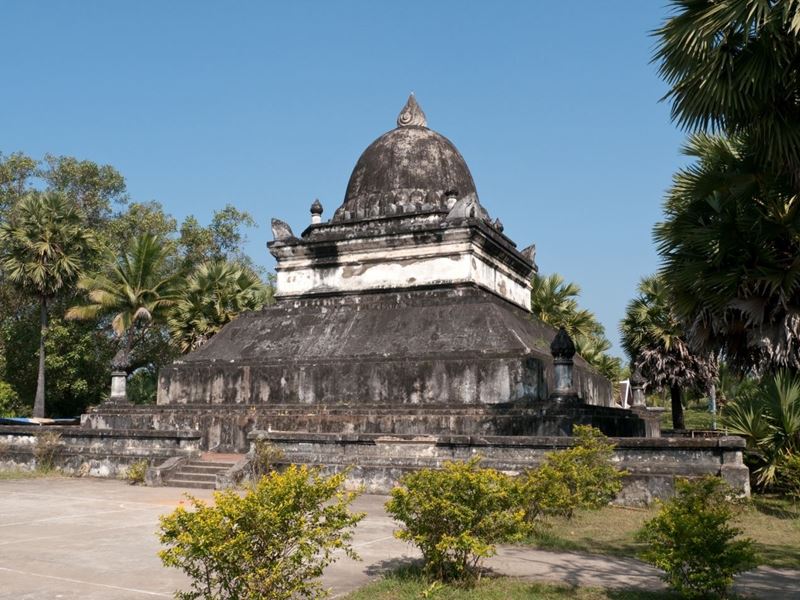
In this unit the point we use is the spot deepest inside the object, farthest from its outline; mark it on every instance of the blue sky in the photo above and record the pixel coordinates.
(267, 105)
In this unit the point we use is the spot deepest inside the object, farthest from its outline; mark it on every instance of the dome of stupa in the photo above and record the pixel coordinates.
(410, 169)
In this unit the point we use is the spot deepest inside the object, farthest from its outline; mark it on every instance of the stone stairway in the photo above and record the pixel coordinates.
(202, 473)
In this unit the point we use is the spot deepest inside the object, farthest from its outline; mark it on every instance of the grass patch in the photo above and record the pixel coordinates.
(695, 416)
(408, 584)
(774, 524)
(6, 474)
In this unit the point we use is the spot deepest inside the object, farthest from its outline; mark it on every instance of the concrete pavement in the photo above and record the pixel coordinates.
(95, 539)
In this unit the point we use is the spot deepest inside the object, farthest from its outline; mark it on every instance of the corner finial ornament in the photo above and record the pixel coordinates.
(411, 114)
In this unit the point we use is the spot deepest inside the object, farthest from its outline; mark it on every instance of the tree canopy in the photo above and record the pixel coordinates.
(97, 194)
(44, 247)
(732, 68)
(654, 338)
(730, 248)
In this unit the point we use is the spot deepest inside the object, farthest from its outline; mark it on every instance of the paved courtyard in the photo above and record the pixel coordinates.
(95, 539)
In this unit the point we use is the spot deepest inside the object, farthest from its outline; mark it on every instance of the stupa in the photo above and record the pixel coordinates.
(407, 313)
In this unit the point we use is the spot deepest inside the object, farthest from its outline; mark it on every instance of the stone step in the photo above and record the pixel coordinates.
(203, 468)
(190, 483)
(220, 457)
(181, 474)
(212, 463)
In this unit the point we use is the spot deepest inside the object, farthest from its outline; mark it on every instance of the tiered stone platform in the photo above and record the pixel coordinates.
(225, 428)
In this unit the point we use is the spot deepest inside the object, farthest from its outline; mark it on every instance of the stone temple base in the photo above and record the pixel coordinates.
(225, 428)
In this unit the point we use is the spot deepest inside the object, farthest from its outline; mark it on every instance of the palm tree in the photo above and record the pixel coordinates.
(43, 250)
(730, 247)
(593, 349)
(216, 293)
(137, 289)
(731, 66)
(554, 301)
(653, 337)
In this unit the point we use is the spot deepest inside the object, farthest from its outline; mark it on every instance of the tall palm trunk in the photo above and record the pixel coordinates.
(38, 403)
(677, 407)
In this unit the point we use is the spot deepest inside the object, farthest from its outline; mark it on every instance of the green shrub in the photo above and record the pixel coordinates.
(10, 403)
(581, 477)
(46, 450)
(269, 543)
(789, 475)
(264, 458)
(136, 472)
(769, 420)
(693, 541)
(456, 515)
(142, 386)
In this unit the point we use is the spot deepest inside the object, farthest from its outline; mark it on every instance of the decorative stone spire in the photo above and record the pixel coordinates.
(637, 383)
(119, 376)
(563, 349)
(636, 378)
(562, 346)
(316, 212)
(411, 114)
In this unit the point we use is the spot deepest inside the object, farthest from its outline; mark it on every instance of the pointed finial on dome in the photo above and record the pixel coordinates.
(316, 212)
(411, 114)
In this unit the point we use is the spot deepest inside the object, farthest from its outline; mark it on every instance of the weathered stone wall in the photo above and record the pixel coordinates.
(97, 453)
(411, 258)
(392, 382)
(378, 461)
(224, 427)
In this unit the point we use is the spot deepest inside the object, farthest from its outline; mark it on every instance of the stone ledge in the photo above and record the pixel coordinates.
(78, 432)
(729, 442)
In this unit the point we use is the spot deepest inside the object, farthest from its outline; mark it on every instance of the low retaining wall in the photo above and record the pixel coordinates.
(94, 452)
(376, 462)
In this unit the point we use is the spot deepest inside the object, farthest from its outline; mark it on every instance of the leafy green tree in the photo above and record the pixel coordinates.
(222, 240)
(731, 67)
(693, 542)
(215, 294)
(555, 302)
(10, 403)
(270, 543)
(93, 187)
(456, 516)
(730, 246)
(43, 248)
(769, 420)
(16, 171)
(77, 361)
(137, 289)
(139, 218)
(101, 191)
(654, 339)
